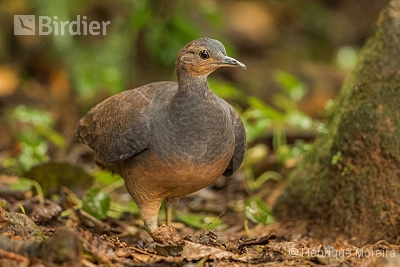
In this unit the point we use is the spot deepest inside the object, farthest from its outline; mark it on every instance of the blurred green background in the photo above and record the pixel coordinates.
(297, 55)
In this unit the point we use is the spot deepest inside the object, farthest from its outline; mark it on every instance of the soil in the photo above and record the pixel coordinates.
(52, 234)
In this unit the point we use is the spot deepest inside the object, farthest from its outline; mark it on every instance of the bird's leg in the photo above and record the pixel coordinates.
(149, 212)
(169, 207)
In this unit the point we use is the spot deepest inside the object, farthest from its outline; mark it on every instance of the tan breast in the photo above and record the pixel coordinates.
(147, 177)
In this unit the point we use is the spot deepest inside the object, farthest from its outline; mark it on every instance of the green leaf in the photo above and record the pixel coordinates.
(265, 177)
(199, 221)
(22, 184)
(34, 116)
(106, 177)
(53, 175)
(132, 207)
(257, 211)
(284, 153)
(96, 203)
(284, 102)
(337, 158)
(300, 120)
(291, 85)
(21, 207)
(266, 110)
(54, 137)
(117, 209)
(256, 129)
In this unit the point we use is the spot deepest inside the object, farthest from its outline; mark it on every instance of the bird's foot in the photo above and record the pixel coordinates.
(169, 242)
(167, 235)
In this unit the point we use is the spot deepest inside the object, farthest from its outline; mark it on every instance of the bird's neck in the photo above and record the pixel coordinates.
(194, 106)
(193, 87)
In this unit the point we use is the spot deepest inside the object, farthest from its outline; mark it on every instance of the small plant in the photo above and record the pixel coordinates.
(34, 132)
(24, 184)
(97, 201)
(258, 212)
(256, 154)
(259, 119)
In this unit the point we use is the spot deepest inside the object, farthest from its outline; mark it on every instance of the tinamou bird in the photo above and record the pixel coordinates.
(169, 139)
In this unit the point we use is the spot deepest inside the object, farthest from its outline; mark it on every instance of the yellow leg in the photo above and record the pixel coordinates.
(169, 207)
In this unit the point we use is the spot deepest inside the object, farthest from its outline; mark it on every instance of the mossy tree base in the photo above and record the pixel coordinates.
(356, 195)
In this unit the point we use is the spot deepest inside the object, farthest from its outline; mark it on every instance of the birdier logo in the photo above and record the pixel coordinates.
(26, 25)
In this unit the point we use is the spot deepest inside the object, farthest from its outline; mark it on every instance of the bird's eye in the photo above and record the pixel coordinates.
(204, 54)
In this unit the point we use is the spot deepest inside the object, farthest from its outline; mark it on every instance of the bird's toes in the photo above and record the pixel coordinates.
(168, 241)
(167, 235)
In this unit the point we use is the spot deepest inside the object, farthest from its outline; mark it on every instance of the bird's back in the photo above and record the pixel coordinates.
(119, 127)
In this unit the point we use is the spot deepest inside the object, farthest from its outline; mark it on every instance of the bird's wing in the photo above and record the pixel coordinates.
(119, 127)
(240, 141)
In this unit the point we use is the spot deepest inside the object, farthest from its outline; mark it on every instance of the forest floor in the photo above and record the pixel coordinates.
(55, 231)
(81, 240)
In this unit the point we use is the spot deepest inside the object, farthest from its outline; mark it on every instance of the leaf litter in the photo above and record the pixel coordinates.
(54, 234)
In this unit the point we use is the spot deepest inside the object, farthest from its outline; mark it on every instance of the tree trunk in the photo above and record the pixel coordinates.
(348, 185)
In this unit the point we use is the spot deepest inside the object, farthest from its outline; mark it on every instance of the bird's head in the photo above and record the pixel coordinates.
(202, 56)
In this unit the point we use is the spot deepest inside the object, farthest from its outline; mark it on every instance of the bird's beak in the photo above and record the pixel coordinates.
(231, 62)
